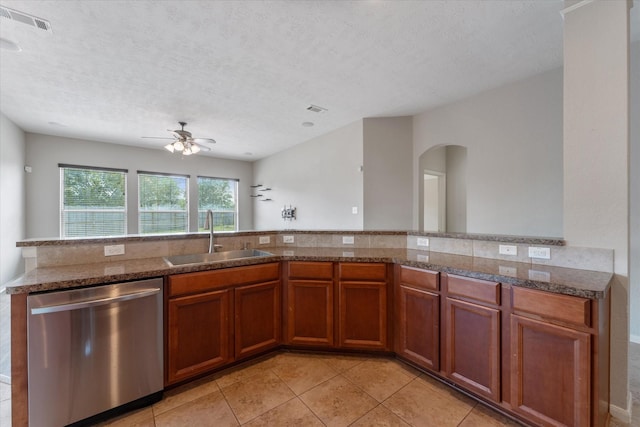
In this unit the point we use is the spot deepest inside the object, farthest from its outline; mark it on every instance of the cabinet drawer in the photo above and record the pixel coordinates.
(424, 279)
(564, 308)
(479, 290)
(310, 270)
(189, 283)
(359, 271)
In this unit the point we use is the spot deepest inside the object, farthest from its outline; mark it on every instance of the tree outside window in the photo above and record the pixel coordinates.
(220, 196)
(163, 203)
(93, 202)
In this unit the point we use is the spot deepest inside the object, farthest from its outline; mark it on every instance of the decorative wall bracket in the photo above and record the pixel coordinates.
(288, 213)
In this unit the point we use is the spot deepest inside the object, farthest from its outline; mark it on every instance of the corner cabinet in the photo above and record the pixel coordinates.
(337, 305)
(219, 316)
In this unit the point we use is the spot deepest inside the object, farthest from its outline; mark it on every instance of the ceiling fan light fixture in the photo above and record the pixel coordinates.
(184, 142)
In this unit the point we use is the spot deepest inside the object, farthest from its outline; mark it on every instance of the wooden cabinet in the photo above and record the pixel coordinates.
(257, 318)
(362, 305)
(199, 334)
(310, 304)
(215, 317)
(345, 310)
(472, 335)
(417, 327)
(551, 361)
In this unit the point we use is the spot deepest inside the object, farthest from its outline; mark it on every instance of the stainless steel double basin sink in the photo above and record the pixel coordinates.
(207, 258)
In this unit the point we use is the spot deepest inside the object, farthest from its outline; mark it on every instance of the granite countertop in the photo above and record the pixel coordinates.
(583, 283)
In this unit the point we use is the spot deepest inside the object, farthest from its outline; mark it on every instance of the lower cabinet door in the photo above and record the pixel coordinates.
(551, 372)
(362, 319)
(472, 352)
(199, 334)
(257, 318)
(418, 326)
(310, 313)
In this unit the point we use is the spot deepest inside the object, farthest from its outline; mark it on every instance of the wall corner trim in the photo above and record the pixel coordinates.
(622, 414)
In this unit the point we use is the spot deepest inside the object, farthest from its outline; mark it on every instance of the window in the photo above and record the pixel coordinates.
(93, 201)
(220, 195)
(163, 203)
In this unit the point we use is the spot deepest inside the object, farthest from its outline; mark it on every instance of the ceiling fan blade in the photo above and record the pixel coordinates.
(204, 140)
(202, 147)
(157, 137)
(176, 134)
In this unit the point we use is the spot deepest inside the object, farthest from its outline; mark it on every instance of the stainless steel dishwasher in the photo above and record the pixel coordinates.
(94, 349)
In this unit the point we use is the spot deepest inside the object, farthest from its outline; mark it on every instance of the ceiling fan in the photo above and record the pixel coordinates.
(184, 142)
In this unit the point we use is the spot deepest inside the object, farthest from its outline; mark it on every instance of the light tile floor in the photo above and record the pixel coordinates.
(294, 389)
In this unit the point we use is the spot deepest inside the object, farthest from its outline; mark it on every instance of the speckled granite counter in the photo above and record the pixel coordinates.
(584, 283)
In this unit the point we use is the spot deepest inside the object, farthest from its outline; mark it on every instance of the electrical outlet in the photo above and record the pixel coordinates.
(347, 240)
(508, 250)
(354, 210)
(287, 239)
(264, 240)
(112, 250)
(423, 241)
(542, 253)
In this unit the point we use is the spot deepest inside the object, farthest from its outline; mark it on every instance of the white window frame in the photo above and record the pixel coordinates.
(235, 199)
(63, 230)
(186, 210)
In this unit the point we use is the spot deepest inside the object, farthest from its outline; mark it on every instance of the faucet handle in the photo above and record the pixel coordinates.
(245, 246)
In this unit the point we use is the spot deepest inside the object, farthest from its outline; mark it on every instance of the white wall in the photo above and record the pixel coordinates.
(388, 177)
(514, 157)
(45, 152)
(634, 114)
(12, 198)
(596, 157)
(321, 178)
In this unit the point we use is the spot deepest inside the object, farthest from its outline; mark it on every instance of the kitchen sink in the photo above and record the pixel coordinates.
(214, 257)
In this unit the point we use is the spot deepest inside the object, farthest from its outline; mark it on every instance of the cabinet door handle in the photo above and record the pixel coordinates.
(94, 302)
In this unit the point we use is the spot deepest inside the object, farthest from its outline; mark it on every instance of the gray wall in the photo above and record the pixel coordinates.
(452, 161)
(514, 157)
(388, 152)
(456, 189)
(45, 152)
(321, 178)
(596, 157)
(12, 198)
(634, 172)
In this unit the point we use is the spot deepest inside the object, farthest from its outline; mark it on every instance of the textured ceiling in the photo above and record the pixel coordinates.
(243, 72)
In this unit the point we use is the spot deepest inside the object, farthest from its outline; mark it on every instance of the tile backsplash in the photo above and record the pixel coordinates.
(70, 253)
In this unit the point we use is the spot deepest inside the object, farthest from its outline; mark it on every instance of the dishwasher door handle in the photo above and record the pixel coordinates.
(94, 302)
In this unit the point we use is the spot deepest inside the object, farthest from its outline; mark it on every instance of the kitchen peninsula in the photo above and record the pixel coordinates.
(450, 305)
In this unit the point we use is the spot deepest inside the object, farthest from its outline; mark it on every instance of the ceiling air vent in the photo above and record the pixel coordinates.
(24, 18)
(316, 109)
